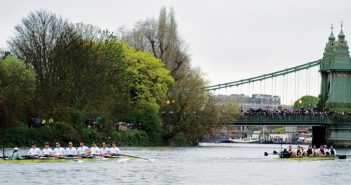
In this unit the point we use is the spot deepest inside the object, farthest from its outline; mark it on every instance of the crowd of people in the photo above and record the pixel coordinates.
(127, 126)
(71, 151)
(263, 112)
(310, 151)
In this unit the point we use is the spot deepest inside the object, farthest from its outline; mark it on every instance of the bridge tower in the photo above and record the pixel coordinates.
(335, 69)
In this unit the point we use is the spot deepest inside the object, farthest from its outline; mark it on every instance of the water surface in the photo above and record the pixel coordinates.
(211, 164)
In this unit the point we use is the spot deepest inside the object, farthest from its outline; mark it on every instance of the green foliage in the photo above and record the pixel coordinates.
(306, 102)
(64, 132)
(17, 86)
(279, 130)
(151, 122)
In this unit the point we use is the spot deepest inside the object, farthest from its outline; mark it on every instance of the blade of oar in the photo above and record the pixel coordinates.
(133, 156)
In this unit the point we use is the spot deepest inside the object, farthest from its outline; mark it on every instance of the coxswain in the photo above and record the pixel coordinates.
(82, 149)
(16, 155)
(332, 151)
(284, 153)
(70, 150)
(114, 150)
(59, 151)
(95, 151)
(34, 152)
(309, 151)
(47, 151)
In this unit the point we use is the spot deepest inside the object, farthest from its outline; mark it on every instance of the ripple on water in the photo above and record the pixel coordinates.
(189, 166)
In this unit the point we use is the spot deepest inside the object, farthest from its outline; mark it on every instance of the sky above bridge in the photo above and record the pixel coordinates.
(229, 40)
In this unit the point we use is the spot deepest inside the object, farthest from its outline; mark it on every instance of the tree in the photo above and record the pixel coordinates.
(34, 41)
(189, 105)
(17, 86)
(306, 102)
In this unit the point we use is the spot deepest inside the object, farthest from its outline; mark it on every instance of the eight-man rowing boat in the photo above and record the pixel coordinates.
(308, 158)
(67, 159)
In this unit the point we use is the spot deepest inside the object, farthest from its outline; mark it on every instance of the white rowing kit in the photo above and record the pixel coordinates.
(59, 151)
(114, 151)
(71, 151)
(47, 151)
(104, 151)
(34, 152)
(83, 150)
(95, 150)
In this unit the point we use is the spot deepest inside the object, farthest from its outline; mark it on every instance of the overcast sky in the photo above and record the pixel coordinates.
(229, 40)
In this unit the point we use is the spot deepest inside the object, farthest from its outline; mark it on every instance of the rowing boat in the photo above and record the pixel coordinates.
(64, 159)
(308, 158)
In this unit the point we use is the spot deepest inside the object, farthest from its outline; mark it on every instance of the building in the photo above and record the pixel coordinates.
(256, 101)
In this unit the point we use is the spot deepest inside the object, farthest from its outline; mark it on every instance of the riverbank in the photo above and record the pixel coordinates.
(64, 133)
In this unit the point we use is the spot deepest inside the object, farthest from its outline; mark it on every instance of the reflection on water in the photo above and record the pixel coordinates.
(210, 164)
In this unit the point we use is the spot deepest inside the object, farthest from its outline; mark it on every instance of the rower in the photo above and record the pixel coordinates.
(332, 151)
(298, 152)
(303, 152)
(290, 150)
(70, 150)
(309, 151)
(94, 149)
(16, 155)
(47, 151)
(104, 150)
(321, 151)
(82, 149)
(34, 152)
(326, 150)
(58, 151)
(315, 151)
(114, 150)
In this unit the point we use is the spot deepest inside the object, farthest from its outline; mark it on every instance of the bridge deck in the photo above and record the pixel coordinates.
(286, 120)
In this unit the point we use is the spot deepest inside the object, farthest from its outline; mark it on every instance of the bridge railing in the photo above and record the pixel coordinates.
(290, 119)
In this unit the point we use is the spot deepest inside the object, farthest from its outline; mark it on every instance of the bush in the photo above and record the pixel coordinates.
(64, 132)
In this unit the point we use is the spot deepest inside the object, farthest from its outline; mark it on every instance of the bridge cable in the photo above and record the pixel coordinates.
(295, 87)
(306, 81)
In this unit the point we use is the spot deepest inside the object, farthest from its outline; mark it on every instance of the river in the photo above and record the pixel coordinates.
(242, 164)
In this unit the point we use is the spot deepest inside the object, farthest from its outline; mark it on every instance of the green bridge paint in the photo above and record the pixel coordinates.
(335, 96)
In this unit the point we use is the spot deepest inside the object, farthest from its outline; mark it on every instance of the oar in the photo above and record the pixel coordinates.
(133, 156)
(274, 153)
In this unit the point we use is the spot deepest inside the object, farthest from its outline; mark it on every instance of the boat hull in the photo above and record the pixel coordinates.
(307, 158)
(50, 160)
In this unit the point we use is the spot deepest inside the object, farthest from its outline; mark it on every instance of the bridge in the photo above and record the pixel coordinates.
(334, 97)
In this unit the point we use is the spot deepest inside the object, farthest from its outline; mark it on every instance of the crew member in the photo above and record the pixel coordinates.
(16, 155)
(284, 153)
(59, 151)
(114, 150)
(47, 151)
(70, 150)
(82, 149)
(34, 152)
(94, 149)
(104, 150)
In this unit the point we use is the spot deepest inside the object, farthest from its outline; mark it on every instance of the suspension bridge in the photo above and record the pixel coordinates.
(333, 126)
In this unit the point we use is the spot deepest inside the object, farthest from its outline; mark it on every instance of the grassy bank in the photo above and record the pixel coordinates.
(63, 133)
